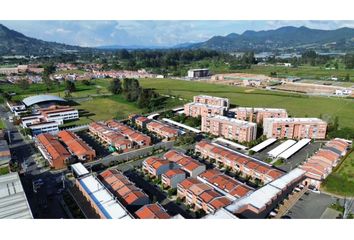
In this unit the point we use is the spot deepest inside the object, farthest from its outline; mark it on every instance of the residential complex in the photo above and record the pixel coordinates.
(156, 166)
(192, 167)
(230, 128)
(238, 162)
(200, 195)
(123, 188)
(152, 211)
(172, 177)
(52, 150)
(296, 128)
(77, 146)
(163, 130)
(211, 100)
(258, 114)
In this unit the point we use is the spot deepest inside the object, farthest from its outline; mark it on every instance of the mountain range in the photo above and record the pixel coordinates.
(281, 39)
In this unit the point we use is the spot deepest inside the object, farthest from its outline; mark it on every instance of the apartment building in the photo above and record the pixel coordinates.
(77, 146)
(201, 195)
(211, 100)
(152, 211)
(163, 130)
(238, 161)
(172, 177)
(123, 188)
(230, 128)
(258, 114)
(294, 128)
(200, 109)
(52, 150)
(192, 167)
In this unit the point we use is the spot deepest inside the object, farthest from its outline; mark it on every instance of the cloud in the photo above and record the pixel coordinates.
(149, 33)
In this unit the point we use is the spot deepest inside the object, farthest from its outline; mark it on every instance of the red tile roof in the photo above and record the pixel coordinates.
(152, 211)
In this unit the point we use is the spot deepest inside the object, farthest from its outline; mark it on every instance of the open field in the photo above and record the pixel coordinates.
(297, 105)
(341, 181)
(301, 71)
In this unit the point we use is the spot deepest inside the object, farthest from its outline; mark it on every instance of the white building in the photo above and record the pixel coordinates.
(198, 73)
(44, 127)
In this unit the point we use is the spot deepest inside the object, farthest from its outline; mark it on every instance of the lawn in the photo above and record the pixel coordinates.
(297, 105)
(301, 71)
(341, 180)
(4, 170)
(2, 124)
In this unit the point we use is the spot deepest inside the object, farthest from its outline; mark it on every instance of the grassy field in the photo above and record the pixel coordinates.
(2, 124)
(301, 71)
(296, 104)
(341, 181)
(4, 170)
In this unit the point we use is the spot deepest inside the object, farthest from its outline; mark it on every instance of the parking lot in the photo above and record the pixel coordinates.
(294, 160)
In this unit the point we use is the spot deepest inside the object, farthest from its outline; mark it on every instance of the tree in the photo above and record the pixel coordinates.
(115, 86)
(70, 86)
(23, 83)
(131, 89)
(347, 78)
(47, 81)
(349, 61)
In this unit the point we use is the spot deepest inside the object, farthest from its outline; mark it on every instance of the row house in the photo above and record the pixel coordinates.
(152, 211)
(258, 114)
(191, 166)
(52, 150)
(294, 128)
(163, 130)
(156, 166)
(321, 164)
(238, 162)
(225, 184)
(138, 138)
(230, 128)
(172, 177)
(203, 110)
(201, 195)
(123, 188)
(77, 146)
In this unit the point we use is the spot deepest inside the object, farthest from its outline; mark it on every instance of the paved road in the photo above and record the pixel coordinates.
(45, 203)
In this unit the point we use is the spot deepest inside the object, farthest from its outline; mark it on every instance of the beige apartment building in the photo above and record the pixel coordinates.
(210, 100)
(295, 128)
(230, 128)
(258, 114)
(203, 110)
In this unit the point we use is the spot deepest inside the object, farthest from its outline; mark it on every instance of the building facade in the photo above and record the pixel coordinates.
(258, 114)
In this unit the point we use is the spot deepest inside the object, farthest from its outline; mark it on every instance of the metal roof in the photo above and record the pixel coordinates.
(292, 150)
(281, 148)
(104, 200)
(28, 101)
(13, 200)
(263, 144)
(79, 169)
(181, 125)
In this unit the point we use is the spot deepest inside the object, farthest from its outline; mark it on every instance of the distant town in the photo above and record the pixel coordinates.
(177, 134)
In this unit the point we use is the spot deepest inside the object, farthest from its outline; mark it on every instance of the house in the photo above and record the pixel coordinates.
(172, 177)
(141, 121)
(152, 211)
(156, 166)
(163, 130)
(192, 167)
(52, 150)
(77, 146)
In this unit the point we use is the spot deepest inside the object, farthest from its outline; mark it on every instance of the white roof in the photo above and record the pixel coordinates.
(258, 109)
(281, 148)
(205, 105)
(299, 120)
(288, 178)
(28, 101)
(103, 199)
(234, 120)
(221, 214)
(153, 115)
(292, 150)
(231, 143)
(79, 169)
(264, 195)
(181, 125)
(263, 144)
(13, 200)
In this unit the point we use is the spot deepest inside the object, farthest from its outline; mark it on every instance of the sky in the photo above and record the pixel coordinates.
(149, 33)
